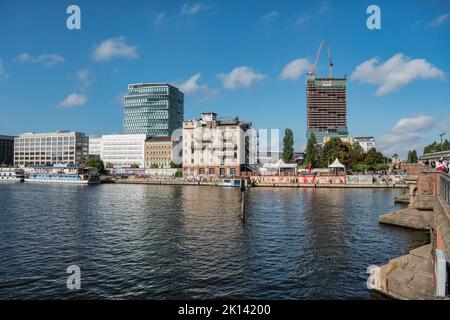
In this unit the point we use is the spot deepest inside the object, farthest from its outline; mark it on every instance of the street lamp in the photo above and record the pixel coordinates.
(441, 135)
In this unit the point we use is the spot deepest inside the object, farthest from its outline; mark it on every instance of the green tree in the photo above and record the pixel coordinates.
(335, 148)
(288, 146)
(109, 165)
(373, 157)
(173, 165)
(361, 167)
(134, 166)
(312, 152)
(356, 156)
(97, 163)
(446, 145)
(414, 157)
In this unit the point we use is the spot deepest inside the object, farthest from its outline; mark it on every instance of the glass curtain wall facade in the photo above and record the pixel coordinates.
(153, 109)
(6, 150)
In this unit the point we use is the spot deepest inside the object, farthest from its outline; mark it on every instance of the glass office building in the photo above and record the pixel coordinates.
(6, 150)
(155, 109)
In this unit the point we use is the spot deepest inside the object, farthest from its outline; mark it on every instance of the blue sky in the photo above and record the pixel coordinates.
(229, 57)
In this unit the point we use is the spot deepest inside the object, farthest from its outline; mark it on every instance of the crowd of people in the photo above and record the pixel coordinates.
(441, 165)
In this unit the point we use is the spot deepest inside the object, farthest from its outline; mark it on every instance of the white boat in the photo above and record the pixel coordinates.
(231, 182)
(67, 174)
(11, 175)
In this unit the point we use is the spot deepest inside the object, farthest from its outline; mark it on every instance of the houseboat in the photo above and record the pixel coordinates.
(11, 175)
(63, 173)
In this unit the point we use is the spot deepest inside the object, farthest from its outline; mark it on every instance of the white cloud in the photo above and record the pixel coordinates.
(301, 20)
(114, 48)
(192, 9)
(159, 18)
(324, 6)
(294, 69)
(85, 77)
(269, 16)
(73, 100)
(192, 86)
(241, 77)
(3, 74)
(48, 59)
(440, 20)
(414, 124)
(395, 73)
(407, 134)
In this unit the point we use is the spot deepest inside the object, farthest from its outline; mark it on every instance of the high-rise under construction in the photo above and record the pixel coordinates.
(326, 104)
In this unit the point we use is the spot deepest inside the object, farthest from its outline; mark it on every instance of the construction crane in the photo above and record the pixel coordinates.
(312, 70)
(330, 61)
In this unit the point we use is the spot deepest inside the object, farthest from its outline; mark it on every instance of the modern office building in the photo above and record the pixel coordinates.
(95, 146)
(366, 143)
(123, 150)
(217, 147)
(155, 109)
(45, 149)
(6, 150)
(159, 152)
(326, 106)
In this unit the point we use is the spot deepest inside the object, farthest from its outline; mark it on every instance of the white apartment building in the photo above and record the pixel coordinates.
(123, 150)
(45, 149)
(217, 147)
(366, 143)
(95, 146)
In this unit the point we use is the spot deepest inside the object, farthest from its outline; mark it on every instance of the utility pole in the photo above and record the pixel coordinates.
(441, 135)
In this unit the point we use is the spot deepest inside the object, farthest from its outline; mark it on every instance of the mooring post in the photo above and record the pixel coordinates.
(243, 213)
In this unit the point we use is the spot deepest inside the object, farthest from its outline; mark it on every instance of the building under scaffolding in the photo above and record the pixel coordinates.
(326, 103)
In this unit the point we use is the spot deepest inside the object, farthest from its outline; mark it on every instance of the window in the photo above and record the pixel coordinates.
(233, 171)
(211, 171)
(201, 171)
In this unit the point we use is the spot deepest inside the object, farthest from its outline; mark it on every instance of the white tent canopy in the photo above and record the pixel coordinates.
(336, 164)
(279, 164)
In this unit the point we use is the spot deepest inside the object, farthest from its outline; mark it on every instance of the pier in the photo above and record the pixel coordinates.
(422, 273)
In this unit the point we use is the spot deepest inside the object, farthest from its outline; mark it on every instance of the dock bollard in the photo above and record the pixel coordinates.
(243, 213)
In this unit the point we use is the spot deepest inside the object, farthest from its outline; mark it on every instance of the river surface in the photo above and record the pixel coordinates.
(188, 242)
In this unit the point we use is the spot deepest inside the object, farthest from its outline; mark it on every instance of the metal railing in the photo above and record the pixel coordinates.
(445, 187)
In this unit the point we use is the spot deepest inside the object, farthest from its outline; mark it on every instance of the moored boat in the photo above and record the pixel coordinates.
(231, 182)
(70, 174)
(11, 175)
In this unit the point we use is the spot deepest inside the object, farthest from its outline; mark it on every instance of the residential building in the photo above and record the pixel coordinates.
(159, 152)
(45, 149)
(366, 143)
(155, 109)
(326, 106)
(217, 147)
(123, 150)
(95, 146)
(6, 150)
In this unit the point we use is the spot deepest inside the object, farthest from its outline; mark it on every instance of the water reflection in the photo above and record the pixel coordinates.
(158, 242)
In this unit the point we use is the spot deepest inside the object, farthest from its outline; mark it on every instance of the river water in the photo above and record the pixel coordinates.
(188, 242)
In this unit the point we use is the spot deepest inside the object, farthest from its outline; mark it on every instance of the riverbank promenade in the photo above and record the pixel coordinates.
(279, 181)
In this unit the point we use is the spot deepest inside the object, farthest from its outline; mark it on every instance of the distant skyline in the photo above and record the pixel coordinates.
(236, 58)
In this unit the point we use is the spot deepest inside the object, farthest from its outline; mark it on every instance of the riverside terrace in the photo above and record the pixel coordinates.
(421, 274)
